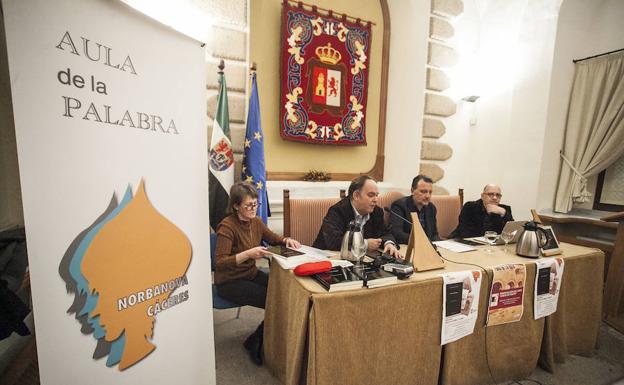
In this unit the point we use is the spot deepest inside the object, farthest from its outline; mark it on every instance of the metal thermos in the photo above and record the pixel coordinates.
(347, 242)
(532, 239)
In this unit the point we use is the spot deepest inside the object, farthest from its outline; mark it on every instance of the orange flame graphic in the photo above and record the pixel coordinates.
(135, 252)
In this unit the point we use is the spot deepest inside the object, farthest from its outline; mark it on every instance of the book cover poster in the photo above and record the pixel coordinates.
(507, 294)
(547, 285)
(460, 304)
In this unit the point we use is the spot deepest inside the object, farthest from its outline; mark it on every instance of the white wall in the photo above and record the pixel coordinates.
(506, 49)
(585, 28)
(406, 83)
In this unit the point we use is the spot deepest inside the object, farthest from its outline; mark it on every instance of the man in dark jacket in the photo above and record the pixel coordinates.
(419, 202)
(485, 214)
(360, 205)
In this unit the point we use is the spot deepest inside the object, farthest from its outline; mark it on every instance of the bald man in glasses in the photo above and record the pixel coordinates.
(485, 214)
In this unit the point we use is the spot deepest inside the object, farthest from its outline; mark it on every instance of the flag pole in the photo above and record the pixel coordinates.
(253, 68)
(221, 175)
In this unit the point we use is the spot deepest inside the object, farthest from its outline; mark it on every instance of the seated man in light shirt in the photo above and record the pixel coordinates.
(359, 205)
(419, 202)
(485, 214)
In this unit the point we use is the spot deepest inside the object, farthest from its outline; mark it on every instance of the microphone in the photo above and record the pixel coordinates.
(386, 209)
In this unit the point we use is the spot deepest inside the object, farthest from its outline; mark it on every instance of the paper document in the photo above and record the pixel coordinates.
(479, 240)
(460, 304)
(341, 262)
(454, 246)
(548, 277)
(506, 294)
(309, 250)
(311, 254)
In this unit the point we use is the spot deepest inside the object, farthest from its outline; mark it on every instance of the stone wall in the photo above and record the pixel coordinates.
(229, 41)
(438, 106)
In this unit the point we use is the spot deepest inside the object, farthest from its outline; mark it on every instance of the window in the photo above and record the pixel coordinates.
(610, 188)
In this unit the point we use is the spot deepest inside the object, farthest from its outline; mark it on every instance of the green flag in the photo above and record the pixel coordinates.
(221, 159)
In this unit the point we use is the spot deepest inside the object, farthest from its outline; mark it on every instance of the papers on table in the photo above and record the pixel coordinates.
(454, 246)
(481, 240)
(313, 251)
(340, 262)
(310, 254)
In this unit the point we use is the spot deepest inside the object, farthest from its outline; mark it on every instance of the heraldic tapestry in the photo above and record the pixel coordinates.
(324, 77)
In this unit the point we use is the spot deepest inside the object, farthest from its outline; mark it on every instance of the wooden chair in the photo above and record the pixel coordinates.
(386, 200)
(449, 207)
(535, 216)
(303, 217)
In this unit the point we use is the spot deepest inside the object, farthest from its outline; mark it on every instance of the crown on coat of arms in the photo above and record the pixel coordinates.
(327, 54)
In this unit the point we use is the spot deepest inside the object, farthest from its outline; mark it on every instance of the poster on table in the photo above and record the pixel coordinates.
(547, 285)
(109, 110)
(507, 294)
(324, 76)
(460, 304)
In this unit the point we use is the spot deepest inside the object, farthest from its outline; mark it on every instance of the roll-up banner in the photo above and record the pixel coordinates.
(110, 123)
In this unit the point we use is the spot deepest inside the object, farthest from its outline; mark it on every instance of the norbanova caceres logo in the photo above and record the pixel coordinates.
(129, 265)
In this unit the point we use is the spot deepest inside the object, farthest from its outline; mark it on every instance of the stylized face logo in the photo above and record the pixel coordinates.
(124, 269)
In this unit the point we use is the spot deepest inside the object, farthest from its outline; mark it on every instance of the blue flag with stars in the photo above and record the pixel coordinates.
(254, 170)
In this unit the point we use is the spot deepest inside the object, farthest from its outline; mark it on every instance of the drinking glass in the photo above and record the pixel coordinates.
(490, 237)
(358, 247)
(507, 236)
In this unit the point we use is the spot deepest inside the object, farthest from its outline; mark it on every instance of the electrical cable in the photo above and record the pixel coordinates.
(487, 359)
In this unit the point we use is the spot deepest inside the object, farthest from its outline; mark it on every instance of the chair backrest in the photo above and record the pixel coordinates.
(386, 200)
(449, 207)
(303, 217)
(536, 217)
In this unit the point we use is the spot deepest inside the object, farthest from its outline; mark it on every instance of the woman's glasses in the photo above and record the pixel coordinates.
(251, 206)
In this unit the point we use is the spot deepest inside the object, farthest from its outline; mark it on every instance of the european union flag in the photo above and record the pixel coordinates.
(254, 170)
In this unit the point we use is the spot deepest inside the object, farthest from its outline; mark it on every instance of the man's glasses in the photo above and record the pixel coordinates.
(494, 195)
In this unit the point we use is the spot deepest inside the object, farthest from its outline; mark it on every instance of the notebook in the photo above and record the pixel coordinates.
(374, 277)
(284, 251)
(338, 278)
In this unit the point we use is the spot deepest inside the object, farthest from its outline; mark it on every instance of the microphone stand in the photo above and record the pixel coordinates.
(386, 209)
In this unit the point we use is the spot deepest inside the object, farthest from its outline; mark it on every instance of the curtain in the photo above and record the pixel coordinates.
(594, 136)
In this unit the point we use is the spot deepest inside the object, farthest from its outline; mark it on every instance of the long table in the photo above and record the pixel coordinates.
(391, 335)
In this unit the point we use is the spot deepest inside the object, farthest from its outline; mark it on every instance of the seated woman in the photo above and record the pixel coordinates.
(238, 246)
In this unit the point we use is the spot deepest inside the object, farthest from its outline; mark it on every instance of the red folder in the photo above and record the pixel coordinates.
(313, 268)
